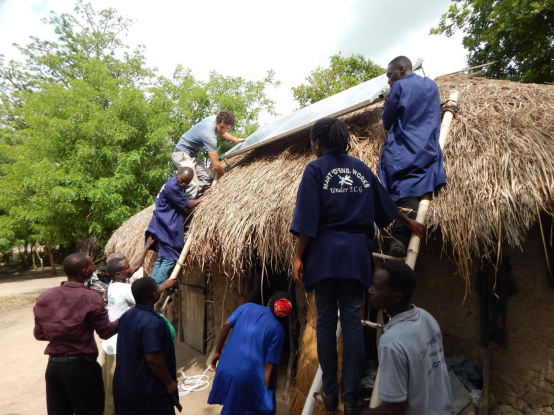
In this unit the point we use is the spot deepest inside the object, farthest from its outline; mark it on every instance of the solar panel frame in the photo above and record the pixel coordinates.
(286, 125)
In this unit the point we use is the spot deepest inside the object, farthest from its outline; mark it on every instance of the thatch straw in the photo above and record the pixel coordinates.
(129, 238)
(499, 164)
(499, 161)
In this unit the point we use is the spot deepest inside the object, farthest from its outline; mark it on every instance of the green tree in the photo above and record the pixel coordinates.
(87, 131)
(343, 73)
(517, 34)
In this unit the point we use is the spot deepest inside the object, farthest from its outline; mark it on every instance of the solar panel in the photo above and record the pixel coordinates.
(336, 105)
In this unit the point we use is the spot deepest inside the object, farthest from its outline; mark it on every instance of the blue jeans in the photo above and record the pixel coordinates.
(349, 294)
(162, 269)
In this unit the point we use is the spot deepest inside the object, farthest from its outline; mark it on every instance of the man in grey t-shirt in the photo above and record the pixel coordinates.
(203, 135)
(413, 376)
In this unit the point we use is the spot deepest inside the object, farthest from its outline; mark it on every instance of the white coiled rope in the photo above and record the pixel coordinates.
(194, 383)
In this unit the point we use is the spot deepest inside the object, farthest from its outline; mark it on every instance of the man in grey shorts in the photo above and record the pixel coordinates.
(203, 135)
(413, 376)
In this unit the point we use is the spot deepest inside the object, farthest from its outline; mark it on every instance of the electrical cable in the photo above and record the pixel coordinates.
(194, 383)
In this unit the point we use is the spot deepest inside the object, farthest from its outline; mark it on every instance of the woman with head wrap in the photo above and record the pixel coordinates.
(245, 379)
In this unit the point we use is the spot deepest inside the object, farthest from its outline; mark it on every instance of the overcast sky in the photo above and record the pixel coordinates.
(249, 37)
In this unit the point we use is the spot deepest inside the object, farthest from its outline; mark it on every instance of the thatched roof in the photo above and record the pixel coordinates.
(499, 161)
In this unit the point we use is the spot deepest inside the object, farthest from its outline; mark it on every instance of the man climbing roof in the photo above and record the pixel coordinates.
(167, 224)
(410, 165)
(203, 135)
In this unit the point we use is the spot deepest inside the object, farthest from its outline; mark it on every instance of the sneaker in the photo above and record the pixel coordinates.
(397, 249)
(330, 403)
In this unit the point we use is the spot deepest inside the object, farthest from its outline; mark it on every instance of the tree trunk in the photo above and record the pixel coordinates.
(39, 258)
(51, 257)
(25, 255)
(33, 258)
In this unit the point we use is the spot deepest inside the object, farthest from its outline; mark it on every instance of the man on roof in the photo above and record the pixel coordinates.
(167, 224)
(203, 135)
(410, 165)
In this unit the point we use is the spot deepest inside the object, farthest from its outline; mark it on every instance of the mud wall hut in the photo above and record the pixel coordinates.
(499, 161)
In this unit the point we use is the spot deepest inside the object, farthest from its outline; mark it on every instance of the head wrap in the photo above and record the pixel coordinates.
(282, 308)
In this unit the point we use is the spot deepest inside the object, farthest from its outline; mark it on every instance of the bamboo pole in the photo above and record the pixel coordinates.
(182, 258)
(386, 257)
(447, 118)
(413, 246)
(375, 399)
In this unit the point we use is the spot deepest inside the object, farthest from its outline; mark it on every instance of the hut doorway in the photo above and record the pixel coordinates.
(193, 301)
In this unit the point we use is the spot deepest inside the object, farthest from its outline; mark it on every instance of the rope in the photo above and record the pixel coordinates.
(194, 383)
(451, 106)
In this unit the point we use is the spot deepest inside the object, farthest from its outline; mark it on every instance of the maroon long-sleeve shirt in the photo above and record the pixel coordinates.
(67, 317)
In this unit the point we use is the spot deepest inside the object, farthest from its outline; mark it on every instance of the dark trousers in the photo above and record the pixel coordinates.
(349, 294)
(74, 388)
(399, 231)
(144, 406)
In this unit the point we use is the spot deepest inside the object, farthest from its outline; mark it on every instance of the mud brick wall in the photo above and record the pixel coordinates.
(522, 377)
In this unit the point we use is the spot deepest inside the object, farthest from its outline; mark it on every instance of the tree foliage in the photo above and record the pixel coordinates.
(343, 73)
(517, 34)
(87, 130)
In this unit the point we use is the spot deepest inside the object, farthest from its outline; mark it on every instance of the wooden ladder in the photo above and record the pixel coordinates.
(411, 257)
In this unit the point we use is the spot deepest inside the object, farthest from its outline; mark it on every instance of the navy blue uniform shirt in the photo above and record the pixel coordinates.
(338, 202)
(411, 162)
(167, 224)
(136, 389)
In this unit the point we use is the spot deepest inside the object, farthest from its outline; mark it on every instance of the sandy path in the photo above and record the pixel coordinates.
(17, 284)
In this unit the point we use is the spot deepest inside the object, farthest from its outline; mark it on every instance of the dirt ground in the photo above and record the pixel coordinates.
(22, 359)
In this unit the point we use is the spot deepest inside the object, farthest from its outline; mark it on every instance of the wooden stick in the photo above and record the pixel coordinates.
(413, 246)
(375, 399)
(447, 119)
(386, 257)
(164, 298)
(372, 324)
(182, 258)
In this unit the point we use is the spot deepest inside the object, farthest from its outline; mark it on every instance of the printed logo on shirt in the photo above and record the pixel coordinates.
(161, 190)
(345, 178)
(435, 357)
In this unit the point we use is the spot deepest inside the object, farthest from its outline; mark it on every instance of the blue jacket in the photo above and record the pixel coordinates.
(411, 162)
